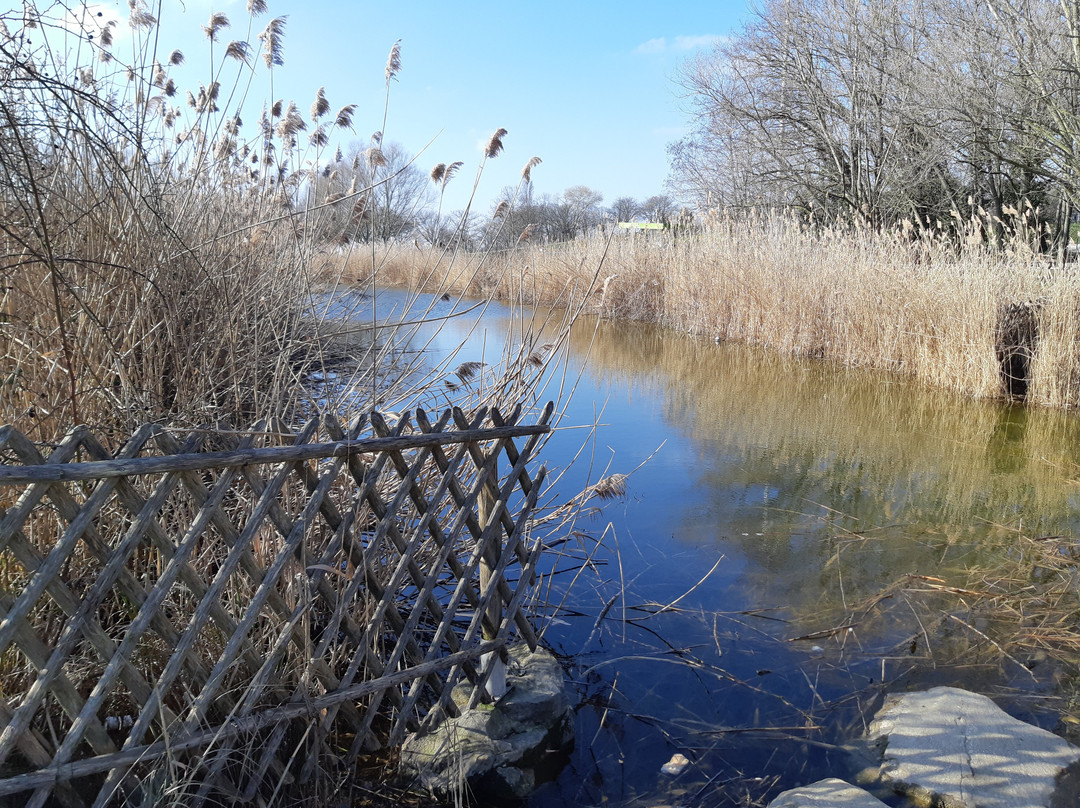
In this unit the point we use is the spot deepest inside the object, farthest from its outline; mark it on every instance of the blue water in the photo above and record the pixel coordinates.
(728, 611)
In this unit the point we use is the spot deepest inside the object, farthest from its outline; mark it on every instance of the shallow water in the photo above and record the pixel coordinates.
(731, 612)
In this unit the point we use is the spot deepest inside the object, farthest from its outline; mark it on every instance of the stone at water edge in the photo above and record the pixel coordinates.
(961, 750)
(494, 750)
(831, 793)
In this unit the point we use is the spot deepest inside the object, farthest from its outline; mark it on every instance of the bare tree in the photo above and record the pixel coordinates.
(624, 209)
(383, 194)
(659, 208)
(583, 207)
(925, 110)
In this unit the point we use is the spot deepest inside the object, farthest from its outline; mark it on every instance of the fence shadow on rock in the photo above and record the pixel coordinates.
(233, 615)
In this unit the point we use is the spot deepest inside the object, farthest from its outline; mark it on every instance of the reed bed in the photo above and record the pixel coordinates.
(161, 260)
(926, 306)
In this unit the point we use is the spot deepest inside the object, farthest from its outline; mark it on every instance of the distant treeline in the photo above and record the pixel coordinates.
(877, 111)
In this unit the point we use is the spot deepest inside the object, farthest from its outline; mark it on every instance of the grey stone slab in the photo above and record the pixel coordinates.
(962, 750)
(831, 793)
(492, 750)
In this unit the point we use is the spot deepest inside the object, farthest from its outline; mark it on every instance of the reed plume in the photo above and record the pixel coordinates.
(375, 157)
(526, 173)
(495, 145)
(291, 122)
(319, 138)
(539, 354)
(320, 106)
(138, 16)
(272, 38)
(393, 62)
(466, 371)
(345, 116)
(238, 50)
(611, 487)
(451, 170)
(218, 20)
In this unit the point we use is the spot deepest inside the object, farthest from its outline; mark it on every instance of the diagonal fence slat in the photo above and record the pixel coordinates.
(253, 613)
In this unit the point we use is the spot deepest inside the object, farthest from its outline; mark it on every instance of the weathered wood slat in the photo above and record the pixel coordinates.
(106, 469)
(209, 608)
(141, 623)
(426, 507)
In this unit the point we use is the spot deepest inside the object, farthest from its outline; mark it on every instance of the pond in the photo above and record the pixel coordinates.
(793, 545)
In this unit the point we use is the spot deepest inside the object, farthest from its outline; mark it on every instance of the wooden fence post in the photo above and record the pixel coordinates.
(496, 683)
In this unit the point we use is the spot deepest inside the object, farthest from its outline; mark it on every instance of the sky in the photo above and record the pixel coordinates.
(588, 87)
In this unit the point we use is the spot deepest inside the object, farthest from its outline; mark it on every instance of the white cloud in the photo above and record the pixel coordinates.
(679, 44)
(687, 43)
(658, 45)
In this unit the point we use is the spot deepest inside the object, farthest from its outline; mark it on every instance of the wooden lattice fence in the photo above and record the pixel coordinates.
(233, 615)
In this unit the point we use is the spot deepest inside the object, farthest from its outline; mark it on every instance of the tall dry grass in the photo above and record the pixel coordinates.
(159, 259)
(927, 307)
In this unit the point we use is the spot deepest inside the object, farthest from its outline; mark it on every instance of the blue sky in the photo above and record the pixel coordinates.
(585, 86)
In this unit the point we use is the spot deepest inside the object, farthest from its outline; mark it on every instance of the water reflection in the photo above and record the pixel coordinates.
(855, 449)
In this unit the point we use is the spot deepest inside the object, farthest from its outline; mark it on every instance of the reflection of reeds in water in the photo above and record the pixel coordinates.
(915, 455)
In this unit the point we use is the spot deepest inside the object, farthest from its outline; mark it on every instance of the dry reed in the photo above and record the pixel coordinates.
(925, 307)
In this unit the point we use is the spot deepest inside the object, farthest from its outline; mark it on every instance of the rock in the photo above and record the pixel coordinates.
(831, 793)
(957, 749)
(494, 750)
(676, 765)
